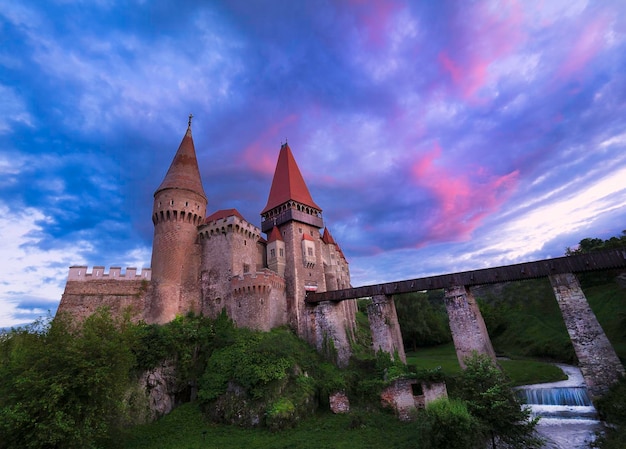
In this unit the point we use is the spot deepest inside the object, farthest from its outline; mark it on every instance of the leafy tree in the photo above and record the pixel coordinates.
(588, 245)
(492, 401)
(62, 385)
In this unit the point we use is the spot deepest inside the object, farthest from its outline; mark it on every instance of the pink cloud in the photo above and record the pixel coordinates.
(476, 48)
(463, 200)
(260, 157)
(589, 43)
(374, 17)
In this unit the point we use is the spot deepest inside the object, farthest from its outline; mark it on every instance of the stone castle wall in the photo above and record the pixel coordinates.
(84, 296)
(258, 301)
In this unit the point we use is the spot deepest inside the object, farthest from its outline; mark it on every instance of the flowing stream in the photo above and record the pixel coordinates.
(568, 418)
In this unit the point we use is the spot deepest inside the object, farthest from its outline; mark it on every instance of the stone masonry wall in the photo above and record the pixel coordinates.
(176, 216)
(330, 332)
(258, 301)
(598, 361)
(383, 319)
(469, 332)
(81, 299)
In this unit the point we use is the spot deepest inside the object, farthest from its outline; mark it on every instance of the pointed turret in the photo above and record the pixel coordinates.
(184, 172)
(179, 208)
(289, 197)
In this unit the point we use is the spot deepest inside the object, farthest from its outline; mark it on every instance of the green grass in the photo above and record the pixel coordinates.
(185, 428)
(443, 356)
(520, 371)
(608, 302)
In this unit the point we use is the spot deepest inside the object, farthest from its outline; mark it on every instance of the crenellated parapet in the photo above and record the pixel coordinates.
(229, 224)
(81, 273)
(257, 283)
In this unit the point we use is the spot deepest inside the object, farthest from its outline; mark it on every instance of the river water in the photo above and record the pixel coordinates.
(568, 419)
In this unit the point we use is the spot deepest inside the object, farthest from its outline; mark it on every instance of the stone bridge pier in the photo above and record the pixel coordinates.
(597, 359)
(467, 325)
(386, 334)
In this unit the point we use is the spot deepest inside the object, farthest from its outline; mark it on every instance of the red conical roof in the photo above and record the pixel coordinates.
(327, 238)
(183, 172)
(288, 183)
(274, 235)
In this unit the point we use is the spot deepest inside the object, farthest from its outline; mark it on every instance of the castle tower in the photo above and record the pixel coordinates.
(291, 209)
(179, 208)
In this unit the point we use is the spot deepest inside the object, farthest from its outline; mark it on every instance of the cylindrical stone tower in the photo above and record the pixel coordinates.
(179, 208)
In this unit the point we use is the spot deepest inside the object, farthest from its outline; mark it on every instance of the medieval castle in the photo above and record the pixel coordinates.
(207, 264)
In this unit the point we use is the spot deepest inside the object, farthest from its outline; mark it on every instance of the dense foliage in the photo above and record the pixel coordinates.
(63, 385)
(423, 318)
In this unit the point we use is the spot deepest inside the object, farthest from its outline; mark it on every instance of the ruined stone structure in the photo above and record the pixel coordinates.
(206, 264)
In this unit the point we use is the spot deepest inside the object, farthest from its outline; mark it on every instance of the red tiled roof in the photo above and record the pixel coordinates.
(183, 172)
(288, 183)
(274, 235)
(307, 237)
(327, 238)
(223, 213)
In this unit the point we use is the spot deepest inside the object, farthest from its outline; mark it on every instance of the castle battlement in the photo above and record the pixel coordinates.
(231, 223)
(81, 274)
(259, 282)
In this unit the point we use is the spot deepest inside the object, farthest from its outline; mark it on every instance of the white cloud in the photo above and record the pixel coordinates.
(531, 231)
(34, 275)
(29, 273)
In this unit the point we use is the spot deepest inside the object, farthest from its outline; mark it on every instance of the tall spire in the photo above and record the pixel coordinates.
(183, 172)
(288, 183)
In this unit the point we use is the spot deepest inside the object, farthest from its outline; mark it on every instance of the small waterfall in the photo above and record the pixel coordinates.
(568, 418)
(576, 396)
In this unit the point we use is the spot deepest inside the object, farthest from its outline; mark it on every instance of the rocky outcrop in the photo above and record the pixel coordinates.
(161, 387)
(339, 403)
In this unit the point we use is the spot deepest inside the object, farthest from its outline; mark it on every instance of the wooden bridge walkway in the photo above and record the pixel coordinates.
(578, 263)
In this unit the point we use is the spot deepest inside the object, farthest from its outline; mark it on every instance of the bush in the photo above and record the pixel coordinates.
(447, 424)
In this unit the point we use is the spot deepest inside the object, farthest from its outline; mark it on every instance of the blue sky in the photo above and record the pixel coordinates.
(436, 136)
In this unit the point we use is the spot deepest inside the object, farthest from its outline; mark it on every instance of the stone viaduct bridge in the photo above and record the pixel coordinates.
(598, 361)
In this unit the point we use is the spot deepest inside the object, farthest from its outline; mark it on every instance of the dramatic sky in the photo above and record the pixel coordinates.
(437, 136)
